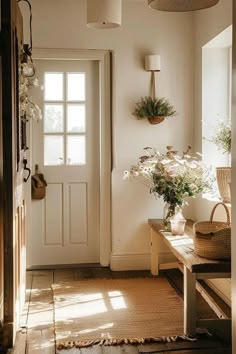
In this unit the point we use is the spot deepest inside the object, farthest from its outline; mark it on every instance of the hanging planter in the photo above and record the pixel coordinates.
(154, 109)
(156, 120)
(151, 107)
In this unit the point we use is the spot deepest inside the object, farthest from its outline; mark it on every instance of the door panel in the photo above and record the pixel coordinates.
(78, 228)
(65, 146)
(53, 217)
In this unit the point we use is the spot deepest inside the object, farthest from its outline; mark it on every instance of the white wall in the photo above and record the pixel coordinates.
(207, 25)
(215, 100)
(62, 24)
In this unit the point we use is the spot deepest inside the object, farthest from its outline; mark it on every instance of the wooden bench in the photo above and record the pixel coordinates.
(194, 268)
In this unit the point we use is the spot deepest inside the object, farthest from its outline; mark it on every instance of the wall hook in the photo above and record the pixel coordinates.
(26, 169)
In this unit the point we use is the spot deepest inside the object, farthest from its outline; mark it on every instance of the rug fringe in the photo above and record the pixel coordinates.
(109, 342)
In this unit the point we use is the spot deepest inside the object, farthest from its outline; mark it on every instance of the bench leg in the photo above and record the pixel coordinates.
(155, 250)
(189, 302)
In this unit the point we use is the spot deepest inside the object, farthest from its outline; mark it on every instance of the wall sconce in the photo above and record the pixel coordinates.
(181, 5)
(104, 14)
(153, 64)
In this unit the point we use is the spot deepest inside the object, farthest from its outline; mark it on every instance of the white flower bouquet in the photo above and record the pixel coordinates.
(171, 176)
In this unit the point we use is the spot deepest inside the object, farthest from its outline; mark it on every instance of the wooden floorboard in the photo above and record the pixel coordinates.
(128, 349)
(69, 351)
(38, 317)
(131, 274)
(204, 351)
(25, 311)
(63, 275)
(207, 343)
(40, 334)
(121, 349)
(102, 273)
(82, 274)
(93, 350)
(63, 266)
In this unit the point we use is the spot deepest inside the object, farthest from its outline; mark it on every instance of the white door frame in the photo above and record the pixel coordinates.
(103, 57)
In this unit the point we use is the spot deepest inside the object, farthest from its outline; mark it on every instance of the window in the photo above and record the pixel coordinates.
(64, 118)
(216, 93)
(216, 96)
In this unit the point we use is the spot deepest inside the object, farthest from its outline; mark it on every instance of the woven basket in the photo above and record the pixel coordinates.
(223, 177)
(213, 238)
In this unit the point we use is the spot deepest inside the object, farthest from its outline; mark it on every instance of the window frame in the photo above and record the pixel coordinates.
(65, 103)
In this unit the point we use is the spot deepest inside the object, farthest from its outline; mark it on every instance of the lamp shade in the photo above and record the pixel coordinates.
(181, 5)
(153, 62)
(104, 13)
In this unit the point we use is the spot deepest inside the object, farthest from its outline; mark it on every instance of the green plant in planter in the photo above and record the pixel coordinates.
(222, 137)
(154, 109)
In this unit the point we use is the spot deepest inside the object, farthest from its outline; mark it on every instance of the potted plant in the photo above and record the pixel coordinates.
(154, 109)
(172, 177)
(222, 139)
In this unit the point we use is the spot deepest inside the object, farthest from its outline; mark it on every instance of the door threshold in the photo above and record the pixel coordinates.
(65, 266)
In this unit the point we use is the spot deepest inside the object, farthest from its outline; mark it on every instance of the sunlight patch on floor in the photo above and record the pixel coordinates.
(78, 310)
(117, 300)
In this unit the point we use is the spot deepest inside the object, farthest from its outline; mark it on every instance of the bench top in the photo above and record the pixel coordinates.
(183, 248)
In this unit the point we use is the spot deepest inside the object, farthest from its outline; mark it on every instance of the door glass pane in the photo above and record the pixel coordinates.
(53, 150)
(53, 118)
(75, 86)
(53, 86)
(75, 118)
(76, 150)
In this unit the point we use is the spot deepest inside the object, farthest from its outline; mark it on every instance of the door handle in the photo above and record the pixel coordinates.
(26, 169)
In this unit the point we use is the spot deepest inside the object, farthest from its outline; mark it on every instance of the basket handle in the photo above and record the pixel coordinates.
(226, 209)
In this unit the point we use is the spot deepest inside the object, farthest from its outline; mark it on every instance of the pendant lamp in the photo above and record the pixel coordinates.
(104, 13)
(181, 5)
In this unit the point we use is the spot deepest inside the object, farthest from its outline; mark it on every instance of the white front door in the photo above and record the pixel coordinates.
(65, 146)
